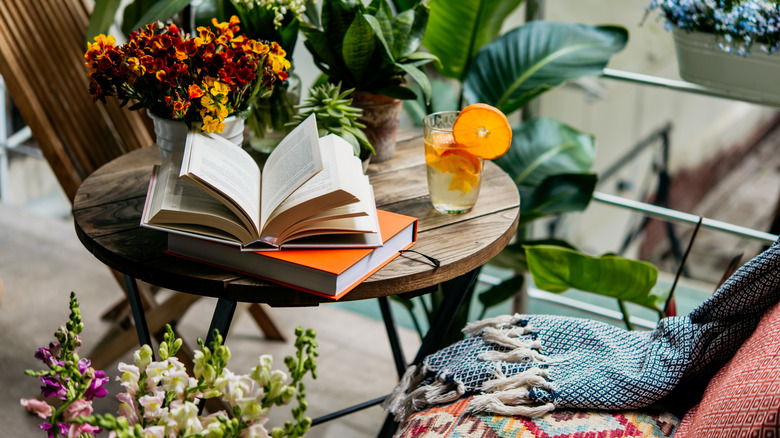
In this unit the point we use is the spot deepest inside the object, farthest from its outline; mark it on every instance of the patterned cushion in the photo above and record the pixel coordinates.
(450, 421)
(743, 399)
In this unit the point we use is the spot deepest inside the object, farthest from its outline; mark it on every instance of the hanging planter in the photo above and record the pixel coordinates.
(752, 77)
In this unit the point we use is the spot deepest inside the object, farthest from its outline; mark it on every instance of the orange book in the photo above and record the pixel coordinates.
(329, 273)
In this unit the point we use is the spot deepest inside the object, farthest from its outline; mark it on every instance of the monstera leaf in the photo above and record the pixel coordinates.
(556, 269)
(458, 29)
(531, 59)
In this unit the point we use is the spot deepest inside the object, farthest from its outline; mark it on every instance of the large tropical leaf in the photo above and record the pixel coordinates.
(458, 29)
(544, 147)
(536, 56)
(556, 195)
(102, 18)
(556, 269)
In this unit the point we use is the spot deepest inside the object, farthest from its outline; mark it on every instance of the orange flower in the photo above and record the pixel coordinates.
(194, 91)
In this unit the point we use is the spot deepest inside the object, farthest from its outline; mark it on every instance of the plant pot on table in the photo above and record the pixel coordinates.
(381, 115)
(171, 135)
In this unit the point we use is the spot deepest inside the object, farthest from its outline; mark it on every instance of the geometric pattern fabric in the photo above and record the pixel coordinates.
(743, 399)
(451, 421)
(593, 365)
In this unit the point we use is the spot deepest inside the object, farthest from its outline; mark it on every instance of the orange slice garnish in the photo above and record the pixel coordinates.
(457, 162)
(483, 129)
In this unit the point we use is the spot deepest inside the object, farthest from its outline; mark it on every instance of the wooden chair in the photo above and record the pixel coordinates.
(42, 48)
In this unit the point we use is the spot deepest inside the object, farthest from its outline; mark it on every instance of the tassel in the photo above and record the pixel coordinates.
(489, 403)
(475, 327)
(530, 378)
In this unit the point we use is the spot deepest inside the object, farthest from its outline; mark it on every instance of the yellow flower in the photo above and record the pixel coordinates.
(135, 66)
(210, 124)
(219, 88)
(208, 103)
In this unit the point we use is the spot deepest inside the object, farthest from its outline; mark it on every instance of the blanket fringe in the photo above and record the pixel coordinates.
(475, 327)
(522, 350)
(402, 403)
(511, 395)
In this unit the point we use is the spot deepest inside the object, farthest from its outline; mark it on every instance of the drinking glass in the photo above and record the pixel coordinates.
(454, 173)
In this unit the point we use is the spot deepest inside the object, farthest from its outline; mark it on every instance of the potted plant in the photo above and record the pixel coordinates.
(336, 115)
(186, 81)
(726, 44)
(372, 50)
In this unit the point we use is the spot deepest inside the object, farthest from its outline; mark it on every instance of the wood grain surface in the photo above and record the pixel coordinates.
(107, 212)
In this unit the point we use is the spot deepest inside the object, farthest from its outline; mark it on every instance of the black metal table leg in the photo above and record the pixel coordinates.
(454, 293)
(392, 335)
(223, 316)
(134, 298)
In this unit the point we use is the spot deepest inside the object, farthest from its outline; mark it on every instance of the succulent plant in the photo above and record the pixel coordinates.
(334, 115)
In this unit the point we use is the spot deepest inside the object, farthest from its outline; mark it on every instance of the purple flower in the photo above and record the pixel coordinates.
(52, 388)
(96, 388)
(45, 355)
(49, 429)
(83, 365)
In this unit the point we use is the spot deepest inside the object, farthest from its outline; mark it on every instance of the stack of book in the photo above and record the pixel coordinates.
(308, 220)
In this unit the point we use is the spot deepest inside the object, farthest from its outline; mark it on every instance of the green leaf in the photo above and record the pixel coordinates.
(557, 269)
(162, 11)
(558, 194)
(337, 16)
(402, 5)
(102, 18)
(408, 29)
(513, 255)
(359, 45)
(376, 25)
(443, 98)
(537, 56)
(397, 92)
(456, 30)
(501, 292)
(544, 147)
(419, 77)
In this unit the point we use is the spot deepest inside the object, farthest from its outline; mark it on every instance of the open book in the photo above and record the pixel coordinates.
(311, 193)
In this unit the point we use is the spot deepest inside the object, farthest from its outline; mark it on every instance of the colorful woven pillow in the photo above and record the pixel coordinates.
(743, 399)
(450, 421)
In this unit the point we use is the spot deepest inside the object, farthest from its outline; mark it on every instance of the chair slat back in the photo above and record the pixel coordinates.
(42, 45)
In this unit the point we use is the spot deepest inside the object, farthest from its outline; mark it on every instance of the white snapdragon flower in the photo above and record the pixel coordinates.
(183, 418)
(129, 377)
(154, 404)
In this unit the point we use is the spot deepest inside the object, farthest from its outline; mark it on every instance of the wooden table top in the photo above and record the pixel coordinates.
(107, 214)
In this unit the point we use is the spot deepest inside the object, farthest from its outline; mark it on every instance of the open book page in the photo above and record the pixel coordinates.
(341, 182)
(226, 172)
(173, 201)
(294, 161)
(359, 217)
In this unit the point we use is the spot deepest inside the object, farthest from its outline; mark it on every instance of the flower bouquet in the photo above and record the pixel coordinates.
(161, 399)
(273, 20)
(200, 80)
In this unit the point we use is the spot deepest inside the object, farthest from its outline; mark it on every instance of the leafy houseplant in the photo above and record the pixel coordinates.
(372, 50)
(161, 399)
(335, 115)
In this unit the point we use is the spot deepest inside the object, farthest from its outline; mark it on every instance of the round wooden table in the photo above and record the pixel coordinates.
(107, 211)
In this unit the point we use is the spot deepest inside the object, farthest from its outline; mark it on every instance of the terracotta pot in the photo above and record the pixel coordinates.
(171, 134)
(381, 115)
